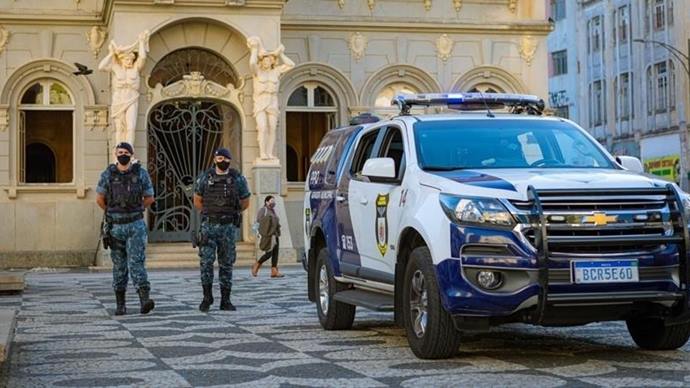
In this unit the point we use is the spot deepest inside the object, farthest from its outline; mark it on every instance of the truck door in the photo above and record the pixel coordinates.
(348, 195)
(380, 206)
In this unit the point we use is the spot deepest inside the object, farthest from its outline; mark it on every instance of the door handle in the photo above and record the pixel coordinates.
(363, 201)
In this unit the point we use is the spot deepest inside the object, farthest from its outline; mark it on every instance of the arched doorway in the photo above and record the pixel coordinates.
(182, 135)
(40, 163)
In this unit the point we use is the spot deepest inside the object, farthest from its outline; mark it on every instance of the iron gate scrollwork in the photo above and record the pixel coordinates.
(182, 136)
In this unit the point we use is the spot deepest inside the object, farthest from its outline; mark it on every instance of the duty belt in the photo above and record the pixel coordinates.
(222, 219)
(126, 220)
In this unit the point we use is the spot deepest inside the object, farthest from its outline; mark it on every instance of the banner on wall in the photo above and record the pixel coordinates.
(666, 167)
(661, 156)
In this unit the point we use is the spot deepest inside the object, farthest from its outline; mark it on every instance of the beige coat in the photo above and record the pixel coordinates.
(269, 229)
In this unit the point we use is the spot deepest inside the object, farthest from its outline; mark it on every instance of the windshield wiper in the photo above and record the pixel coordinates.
(442, 168)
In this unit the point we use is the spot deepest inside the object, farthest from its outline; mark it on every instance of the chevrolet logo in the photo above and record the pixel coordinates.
(599, 219)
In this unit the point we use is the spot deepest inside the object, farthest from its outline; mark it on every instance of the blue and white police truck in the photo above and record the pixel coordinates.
(460, 221)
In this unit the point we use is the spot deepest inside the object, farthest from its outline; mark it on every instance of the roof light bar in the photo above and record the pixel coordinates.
(517, 102)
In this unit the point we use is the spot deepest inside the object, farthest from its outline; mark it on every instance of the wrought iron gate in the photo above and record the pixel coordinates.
(182, 136)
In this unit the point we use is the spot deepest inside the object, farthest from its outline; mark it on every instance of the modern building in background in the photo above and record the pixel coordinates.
(351, 57)
(622, 79)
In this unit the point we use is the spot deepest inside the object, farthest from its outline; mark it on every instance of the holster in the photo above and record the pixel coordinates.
(199, 238)
(106, 227)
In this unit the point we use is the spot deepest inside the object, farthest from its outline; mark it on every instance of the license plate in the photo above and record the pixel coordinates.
(609, 271)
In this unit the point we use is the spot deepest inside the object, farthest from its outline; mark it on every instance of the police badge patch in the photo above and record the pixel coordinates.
(382, 223)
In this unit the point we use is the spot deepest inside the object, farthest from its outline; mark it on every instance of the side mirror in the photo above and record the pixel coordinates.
(630, 163)
(379, 168)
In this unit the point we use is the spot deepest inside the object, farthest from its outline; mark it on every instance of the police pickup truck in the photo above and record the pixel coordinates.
(461, 221)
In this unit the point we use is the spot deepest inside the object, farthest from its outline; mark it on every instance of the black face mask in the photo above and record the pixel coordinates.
(223, 165)
(124, 159)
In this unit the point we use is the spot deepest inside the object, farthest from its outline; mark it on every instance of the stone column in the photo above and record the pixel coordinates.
(267, 181)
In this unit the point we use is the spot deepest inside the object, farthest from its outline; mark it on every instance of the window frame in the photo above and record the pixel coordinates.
(387, 139)
(45, 106)
(377, 134)
(559, 60)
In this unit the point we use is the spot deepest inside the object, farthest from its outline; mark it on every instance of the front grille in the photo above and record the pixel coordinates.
(639, 221)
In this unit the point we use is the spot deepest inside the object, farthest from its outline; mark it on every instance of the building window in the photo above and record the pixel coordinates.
(596, 104)
(46, 133)
(661, 91)
(385, 96)
(558, 9)
(623, 96)
(594, 37)
(659, 15)
(311, 111)
(179, 63)
(560, 62)
(622, 27)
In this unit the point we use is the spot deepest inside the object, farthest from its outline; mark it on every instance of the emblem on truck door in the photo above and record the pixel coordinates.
(382, 223)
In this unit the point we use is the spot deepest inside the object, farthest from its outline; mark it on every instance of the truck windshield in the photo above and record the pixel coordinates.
(499, 143)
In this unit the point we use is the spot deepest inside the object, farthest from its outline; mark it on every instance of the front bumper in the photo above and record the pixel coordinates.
(540, 288)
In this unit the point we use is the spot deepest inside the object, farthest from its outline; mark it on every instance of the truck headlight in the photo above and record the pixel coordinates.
(474, 210)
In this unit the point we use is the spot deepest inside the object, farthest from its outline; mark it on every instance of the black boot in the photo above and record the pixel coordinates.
(208, 298)
(146, 303)
(120, 300)
(225, 300)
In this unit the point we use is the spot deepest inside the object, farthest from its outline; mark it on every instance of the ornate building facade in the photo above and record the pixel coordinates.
(195, 94)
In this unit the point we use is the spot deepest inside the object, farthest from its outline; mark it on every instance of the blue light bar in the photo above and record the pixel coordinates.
(459, 100)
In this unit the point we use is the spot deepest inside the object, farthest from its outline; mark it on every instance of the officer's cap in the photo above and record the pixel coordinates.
(223, 152)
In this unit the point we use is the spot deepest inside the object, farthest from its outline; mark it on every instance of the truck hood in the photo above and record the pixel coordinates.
(514, 182)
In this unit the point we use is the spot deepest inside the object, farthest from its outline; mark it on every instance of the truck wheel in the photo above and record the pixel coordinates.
(333, 315)
(430, 330)
(652, 334)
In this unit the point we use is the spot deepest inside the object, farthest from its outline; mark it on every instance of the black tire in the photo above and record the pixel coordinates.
(337, 315)
(438, 338)
(652, 334)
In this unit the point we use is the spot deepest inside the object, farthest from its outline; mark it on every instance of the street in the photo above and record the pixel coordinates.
(67, 336)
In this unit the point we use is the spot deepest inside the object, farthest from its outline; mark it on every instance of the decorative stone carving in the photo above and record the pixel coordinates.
(341, 4)
(444, 47)
(512, 5)
(96, 117)
(194, 85)
(267, 67)
(96, 37)
(371, 4)
(358, 45)
(4, 117)
(528, 47)
(427, 5)
(457, 4)
(124, 63)
(4, 38)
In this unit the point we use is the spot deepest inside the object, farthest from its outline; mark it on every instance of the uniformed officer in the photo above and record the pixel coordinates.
(124, 191)
(221, 194)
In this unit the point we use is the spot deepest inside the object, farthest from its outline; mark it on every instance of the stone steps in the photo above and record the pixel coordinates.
(7, 324)
(11, 281)
(182, 256)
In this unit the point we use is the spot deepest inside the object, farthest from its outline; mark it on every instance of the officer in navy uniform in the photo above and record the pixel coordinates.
(124, 191)
(221, 194)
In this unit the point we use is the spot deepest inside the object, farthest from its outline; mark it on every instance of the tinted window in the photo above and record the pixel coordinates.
(364, 151)
(393, 148)
(496, 143)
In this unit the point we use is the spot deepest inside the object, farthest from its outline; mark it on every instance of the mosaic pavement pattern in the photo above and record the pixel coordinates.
(67, 336)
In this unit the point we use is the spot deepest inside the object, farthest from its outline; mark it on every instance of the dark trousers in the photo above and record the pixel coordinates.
(272, 254)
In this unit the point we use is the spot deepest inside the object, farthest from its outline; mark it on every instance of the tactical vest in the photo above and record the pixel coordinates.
(126, 194)
(221, 197)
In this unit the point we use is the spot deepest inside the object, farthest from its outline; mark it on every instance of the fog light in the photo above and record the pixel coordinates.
(489, 280)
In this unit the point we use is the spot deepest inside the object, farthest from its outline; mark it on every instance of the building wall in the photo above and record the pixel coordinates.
(626, 135)
(449, 46)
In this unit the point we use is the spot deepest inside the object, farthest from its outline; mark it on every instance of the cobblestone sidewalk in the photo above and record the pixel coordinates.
(67, 336)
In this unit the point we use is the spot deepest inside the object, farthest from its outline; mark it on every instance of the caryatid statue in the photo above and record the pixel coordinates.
(124, 63)
(267, 67)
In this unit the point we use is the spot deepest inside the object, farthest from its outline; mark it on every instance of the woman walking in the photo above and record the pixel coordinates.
(269, 230)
